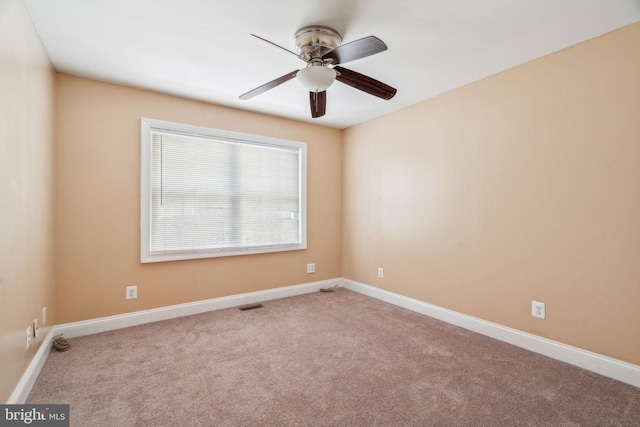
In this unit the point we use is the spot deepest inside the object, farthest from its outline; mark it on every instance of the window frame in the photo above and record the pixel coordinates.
(146, 128)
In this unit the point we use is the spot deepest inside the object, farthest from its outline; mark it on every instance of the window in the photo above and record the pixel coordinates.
(209, 193)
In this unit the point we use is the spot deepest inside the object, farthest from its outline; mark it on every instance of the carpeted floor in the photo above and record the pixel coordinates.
(322, 359)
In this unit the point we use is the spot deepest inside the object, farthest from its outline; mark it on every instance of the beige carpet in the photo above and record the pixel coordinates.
(322, 359)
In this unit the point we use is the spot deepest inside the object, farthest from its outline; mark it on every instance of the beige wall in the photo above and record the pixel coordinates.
(98, 190)
(523, 186)
(26, 197)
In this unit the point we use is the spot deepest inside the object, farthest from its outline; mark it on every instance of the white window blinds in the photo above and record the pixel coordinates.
(212, 193)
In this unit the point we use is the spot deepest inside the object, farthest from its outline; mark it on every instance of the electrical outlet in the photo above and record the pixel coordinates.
(44, 315)
(36, 328)
(380, 272)
(28, 338)
(132, 292)
(311, 268)
(538, 309)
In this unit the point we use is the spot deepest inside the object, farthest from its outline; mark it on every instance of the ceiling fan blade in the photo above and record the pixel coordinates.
(356, 49)
(283, 48)
(268, 86)
(364, 83)
(318, 101)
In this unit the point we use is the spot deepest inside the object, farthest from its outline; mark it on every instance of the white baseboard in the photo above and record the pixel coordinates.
(609, 367)
(603, 365)
(103, 324)
(23, 388)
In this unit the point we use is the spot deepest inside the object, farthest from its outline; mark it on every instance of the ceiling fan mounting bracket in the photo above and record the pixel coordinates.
(316, 40)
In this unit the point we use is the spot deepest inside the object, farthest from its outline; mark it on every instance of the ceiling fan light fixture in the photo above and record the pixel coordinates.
(316, 78)
(320, 47)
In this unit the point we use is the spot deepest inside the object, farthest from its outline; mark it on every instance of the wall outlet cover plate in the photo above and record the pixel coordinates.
(538, 309)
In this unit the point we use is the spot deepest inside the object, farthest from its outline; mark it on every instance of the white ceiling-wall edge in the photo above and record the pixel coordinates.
(291, 114)
(196, 50)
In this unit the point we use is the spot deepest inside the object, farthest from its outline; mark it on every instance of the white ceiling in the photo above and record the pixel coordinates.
(202, 49)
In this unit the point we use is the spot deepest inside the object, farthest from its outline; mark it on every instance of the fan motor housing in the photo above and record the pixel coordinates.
(316, 40)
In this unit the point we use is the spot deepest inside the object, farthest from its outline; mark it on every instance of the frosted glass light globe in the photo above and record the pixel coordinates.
(316, 78)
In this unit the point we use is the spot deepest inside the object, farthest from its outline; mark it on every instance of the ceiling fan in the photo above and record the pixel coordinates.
(320, 47)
